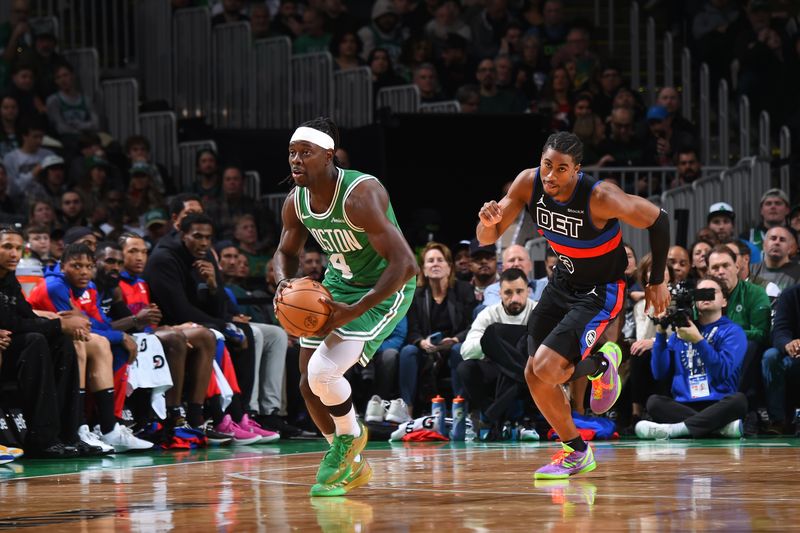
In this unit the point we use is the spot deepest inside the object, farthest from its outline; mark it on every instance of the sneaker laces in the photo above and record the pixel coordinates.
(560, 458)
(335, 454)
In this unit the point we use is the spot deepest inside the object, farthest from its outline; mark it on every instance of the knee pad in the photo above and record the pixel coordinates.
(321, 373)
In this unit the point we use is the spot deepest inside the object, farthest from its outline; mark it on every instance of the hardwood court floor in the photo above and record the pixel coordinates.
(750, 485)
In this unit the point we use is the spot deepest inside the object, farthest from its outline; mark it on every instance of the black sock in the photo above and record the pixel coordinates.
(174, 412)
(105, 409)
(235, 408)
(81, 407)
(194, 414)
(593, 365)
(577, 444)
(215, 409)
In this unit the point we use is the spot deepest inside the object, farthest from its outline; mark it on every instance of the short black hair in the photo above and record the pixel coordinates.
(566, 143)
(512, 274)
(202, 152)
(123, 238)
(177, 203)
(76, 249)
(10, 229)
(103, 246)
(195, 218)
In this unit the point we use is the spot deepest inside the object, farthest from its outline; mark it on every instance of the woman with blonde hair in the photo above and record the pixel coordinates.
(438, 321)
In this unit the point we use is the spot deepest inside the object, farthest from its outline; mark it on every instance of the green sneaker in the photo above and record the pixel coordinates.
(344, 449)
(358, 474)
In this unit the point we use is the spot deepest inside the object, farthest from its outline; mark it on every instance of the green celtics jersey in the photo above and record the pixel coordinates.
(351, 258)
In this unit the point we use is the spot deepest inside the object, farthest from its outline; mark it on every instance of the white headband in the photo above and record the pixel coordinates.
(313, 136)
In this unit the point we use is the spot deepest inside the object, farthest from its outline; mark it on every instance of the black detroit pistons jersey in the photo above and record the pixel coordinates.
(587, 255)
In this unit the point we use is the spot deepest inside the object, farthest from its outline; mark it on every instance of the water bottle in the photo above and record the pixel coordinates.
(437, 410)
(459, 429)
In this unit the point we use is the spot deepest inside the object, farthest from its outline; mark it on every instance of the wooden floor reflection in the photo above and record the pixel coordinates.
(674, 486)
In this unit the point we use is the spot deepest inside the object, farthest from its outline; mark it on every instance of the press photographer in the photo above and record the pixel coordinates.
(705, 360)
(681, 307)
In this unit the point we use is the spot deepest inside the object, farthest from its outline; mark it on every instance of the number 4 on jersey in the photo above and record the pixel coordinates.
(338, 262)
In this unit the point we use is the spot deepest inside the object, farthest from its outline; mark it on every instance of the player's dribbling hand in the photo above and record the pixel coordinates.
(656, 298)
(490, 214)
(341, 314)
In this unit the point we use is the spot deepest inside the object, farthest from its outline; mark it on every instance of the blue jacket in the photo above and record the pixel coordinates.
(719, 356)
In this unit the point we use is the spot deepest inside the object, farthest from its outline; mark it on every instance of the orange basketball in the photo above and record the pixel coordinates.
(299, 310)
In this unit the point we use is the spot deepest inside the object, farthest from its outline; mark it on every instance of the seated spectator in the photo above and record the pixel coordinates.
(592, 132)
(245, 233)
(577, 50)
(620, 148)
(494, 99)
(207, 183)
(39, 356)
(699, 253)
(142, 195)
(469, 98)
(552, 32)
(71, 212)
(22, 88)
(137, 148)
(156, 225)
(749, 307)
(678, 261)
(742, 251)
(794, 218)
(627, 98)
(314, 37)
(688, 167)
(15, 38)
(385, 30)
(312, 263)
(491, 348)
(774, 210)
(23, 163)
(50, 179)
(271, 342)
(10, 136)
(287, 20)
(722, 223)
(780, 361)
(447, 21)
(37, 245)
(532, 67)
(555, 101)
(441, 305)
(234, 202)
(416, 52)
(609, 80)
(461, 260)
(96, 184)
(669, 98)
(383, 74)
(69, 110)
(661, 140)
(345, 47)
(425, 78)
(714, 29)
(483, 264)
(515, 256)
(454, 65)
(71, 288)
(779, 245)
(707, 359)
(41, 213)
(260, 22)
(487, 26)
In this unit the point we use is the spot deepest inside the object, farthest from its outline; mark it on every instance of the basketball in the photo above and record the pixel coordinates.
(299, 310)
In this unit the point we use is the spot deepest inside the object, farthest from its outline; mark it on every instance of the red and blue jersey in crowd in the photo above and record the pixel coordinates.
(55, 294)
(587, 255)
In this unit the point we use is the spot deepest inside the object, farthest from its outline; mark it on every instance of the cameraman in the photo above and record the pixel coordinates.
(706, 358)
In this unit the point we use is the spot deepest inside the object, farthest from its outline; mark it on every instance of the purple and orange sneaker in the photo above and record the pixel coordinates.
(607, 387)
(567, 462)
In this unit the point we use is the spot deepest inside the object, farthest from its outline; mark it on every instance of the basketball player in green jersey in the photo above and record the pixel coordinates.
(370, 275)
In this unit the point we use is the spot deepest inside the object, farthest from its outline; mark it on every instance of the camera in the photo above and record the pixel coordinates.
(681, 306)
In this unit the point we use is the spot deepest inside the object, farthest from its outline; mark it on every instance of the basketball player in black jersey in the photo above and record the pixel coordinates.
(580, 218)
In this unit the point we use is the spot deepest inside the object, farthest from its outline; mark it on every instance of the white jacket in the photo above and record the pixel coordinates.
(471, 347)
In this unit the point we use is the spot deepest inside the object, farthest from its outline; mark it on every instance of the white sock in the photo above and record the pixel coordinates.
(347, 424)
(328, 437)
(677, 430)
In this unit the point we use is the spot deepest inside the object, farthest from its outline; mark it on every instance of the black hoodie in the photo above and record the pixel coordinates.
(180, 292)
(16, 314)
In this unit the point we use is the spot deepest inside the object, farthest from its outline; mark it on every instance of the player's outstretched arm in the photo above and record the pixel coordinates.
(286, 260)
(496, 217)
(609, 201)
(366, 208)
